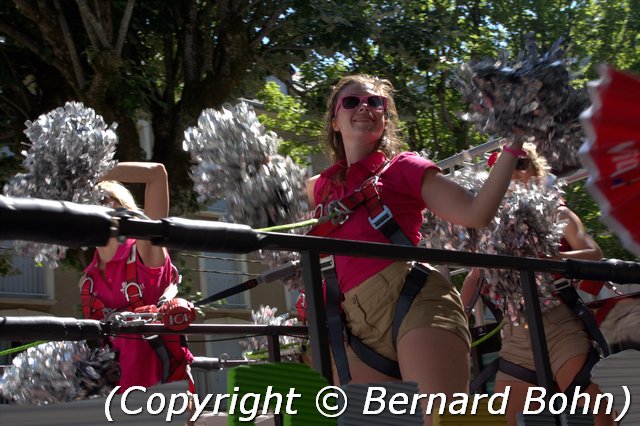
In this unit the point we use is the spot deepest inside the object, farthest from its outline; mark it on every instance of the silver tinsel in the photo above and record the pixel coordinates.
(441, 234)
(57, 372)
(70, 149)
(266, 315)
(525, 226)
(532, 93)
(237, 161)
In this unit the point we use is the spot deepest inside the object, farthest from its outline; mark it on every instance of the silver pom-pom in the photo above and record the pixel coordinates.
(441, 234)
(525, 226)
(70, 149)
(237, 161)
(532, 93)
(57, 372)
(266, 315)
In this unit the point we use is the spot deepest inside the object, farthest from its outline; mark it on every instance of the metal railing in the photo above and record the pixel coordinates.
(38, 220)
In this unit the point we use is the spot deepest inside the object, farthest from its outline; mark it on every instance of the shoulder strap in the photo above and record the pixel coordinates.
(92, 307)
(132, 289)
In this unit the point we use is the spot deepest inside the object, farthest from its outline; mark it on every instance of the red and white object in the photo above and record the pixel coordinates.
(611, 153)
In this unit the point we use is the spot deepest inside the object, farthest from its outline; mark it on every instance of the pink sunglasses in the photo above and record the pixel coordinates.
(350, 102)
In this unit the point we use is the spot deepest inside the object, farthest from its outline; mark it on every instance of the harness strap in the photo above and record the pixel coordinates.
(374, 359)
(92, 307)
(132, 290)
(508, 367)
(572, 299)
(417, 277)
(380, 217)
(334, 319)
(583, 378)
(162, 351)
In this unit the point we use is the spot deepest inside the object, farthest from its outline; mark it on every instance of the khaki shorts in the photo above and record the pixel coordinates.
(621, 326)
(370, 306)
(566, 339)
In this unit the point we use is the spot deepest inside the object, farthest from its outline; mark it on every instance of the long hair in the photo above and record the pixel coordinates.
(118, 194)
(390, 141)
(539, 163)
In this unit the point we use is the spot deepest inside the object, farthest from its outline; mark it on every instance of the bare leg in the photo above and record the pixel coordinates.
(565, 376)
(517, 398)
(437, 360)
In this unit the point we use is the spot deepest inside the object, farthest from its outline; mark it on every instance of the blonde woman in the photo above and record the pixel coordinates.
(135, 275)
(568, 342)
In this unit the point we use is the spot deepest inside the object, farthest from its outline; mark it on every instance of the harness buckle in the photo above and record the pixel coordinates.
(327, 263)
(126, 290)
(381, 219)
(373, 180)
(561, 283)
(338, 212)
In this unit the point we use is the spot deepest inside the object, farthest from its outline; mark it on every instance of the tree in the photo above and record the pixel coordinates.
(128, 59)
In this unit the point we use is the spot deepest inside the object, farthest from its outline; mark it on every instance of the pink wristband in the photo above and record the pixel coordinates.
(515, 152)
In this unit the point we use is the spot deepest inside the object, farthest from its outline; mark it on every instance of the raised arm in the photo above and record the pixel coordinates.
(154, 176)
(455, 204)
(156, 201)
(582, 244)
(469, 288)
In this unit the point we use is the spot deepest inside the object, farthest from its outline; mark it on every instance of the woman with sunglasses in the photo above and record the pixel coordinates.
(373, 193)
(568, 341)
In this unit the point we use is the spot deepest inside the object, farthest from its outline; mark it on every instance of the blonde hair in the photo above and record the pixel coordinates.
(119, 194)
(539, 163)
(389, 142)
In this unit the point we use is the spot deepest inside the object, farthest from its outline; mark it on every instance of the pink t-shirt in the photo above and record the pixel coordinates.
(400, 188)
(139, 364)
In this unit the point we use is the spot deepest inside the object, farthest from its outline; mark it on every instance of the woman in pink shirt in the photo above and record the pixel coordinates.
(125, 276)
(428, 343)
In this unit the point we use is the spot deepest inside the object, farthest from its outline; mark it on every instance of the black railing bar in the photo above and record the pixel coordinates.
(533, 315)
(76, 225)
(57, 328)
(193, 329)
(314, 299)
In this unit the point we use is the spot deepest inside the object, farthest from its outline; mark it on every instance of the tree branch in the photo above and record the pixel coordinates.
(21, 38)
(189, 50)
(71, 46)
(91, 23)
(124, 27)
(26, 8)
(267, 28)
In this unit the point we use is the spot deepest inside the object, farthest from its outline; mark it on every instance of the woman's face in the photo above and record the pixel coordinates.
(363, 120)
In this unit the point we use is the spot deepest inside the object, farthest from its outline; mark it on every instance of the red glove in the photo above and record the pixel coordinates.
(177, 314)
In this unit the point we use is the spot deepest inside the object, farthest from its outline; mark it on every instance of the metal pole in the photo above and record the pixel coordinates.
(317, 316)
(533, 315)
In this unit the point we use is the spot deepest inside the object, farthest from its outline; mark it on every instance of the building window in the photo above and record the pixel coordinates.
(30, 281)
(221, 271)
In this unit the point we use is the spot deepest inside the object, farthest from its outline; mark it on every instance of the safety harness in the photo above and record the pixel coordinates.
(172, 359)
(568, 294)
(380, 218)
(93, 308)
